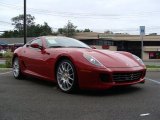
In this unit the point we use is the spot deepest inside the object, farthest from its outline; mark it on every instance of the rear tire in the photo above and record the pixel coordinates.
(66, 76)
(16, 68)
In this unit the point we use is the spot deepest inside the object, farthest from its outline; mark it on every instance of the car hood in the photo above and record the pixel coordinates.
(112, 58)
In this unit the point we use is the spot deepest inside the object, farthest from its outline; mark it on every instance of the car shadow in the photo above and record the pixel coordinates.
(111, 92)
(40, 81)
(108, 92)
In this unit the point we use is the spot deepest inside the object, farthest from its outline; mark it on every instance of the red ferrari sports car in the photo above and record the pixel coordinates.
(73, 64)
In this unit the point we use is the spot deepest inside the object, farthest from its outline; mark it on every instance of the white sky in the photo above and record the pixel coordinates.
(97, 15)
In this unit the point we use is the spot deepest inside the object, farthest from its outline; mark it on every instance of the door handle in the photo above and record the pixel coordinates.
(44, 52)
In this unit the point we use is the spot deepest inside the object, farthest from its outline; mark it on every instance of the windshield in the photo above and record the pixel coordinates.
(64, 42)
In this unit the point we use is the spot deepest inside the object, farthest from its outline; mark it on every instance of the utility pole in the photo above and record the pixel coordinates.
(24, 22)
(68, 29)
(142, 47)
(142, 34)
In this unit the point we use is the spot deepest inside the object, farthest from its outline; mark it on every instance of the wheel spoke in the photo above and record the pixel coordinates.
(71, 78)
(61, 81)
(69, 83)
(71, 74)
(60, 73)
(63, 67)
(60, 70)
(66, 83)
(69, 68)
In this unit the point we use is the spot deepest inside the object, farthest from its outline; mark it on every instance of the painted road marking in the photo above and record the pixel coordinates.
(145, 114)
(155, 81)
(5, 73)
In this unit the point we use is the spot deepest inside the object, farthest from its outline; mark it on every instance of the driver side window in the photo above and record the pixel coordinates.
(38, 41)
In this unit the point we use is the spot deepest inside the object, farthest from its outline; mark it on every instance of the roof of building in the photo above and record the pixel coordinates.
(116, 37)
(136, 38)
(86, 35)
(14, 40)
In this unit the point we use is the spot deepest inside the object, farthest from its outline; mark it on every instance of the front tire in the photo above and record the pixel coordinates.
(66, 76)
(16, 68)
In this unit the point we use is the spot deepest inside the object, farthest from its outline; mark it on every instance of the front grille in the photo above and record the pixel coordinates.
(126, 77)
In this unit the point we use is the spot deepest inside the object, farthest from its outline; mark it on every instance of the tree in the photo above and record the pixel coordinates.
(45, 29)
(61, 30)
(18, 21)
(68, 30)
(35, 30)
(32, 31)
(108, 32)
(78, 31)
(10, 33)
(39, 30)
(87, 30)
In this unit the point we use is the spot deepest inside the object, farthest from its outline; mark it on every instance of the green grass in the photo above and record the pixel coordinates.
(152, 66)
(2, 66)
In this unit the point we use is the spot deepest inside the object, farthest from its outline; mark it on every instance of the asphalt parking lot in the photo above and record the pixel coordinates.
(32, 99)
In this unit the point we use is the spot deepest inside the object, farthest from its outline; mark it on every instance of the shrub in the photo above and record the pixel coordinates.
(8, 55)
(1, 55)
(2, 66)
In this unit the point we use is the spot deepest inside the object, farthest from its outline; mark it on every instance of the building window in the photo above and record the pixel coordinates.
(154, 55)
(110, 43)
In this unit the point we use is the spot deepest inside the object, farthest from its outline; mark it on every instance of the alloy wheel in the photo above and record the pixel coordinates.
(65, 76)
(16, 69)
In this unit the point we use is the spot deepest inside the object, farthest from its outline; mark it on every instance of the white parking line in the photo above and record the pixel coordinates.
(5, 73)
(155, 81)
(145, 114)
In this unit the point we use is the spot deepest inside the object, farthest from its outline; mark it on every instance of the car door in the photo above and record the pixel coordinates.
(34, 57)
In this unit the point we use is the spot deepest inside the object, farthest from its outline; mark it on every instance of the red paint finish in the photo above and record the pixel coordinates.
(41, 62)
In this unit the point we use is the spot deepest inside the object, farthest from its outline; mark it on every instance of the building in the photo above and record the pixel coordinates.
(11, 43)
(115, 42)
(129, 43)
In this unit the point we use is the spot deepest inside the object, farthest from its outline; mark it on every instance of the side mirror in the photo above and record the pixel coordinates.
(35, 45)
(93, 47)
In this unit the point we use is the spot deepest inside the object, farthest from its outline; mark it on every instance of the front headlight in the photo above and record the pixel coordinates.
(92, 60)
(138, 59)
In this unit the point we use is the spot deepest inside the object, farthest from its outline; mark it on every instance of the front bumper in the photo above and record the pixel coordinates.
(98, 78)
